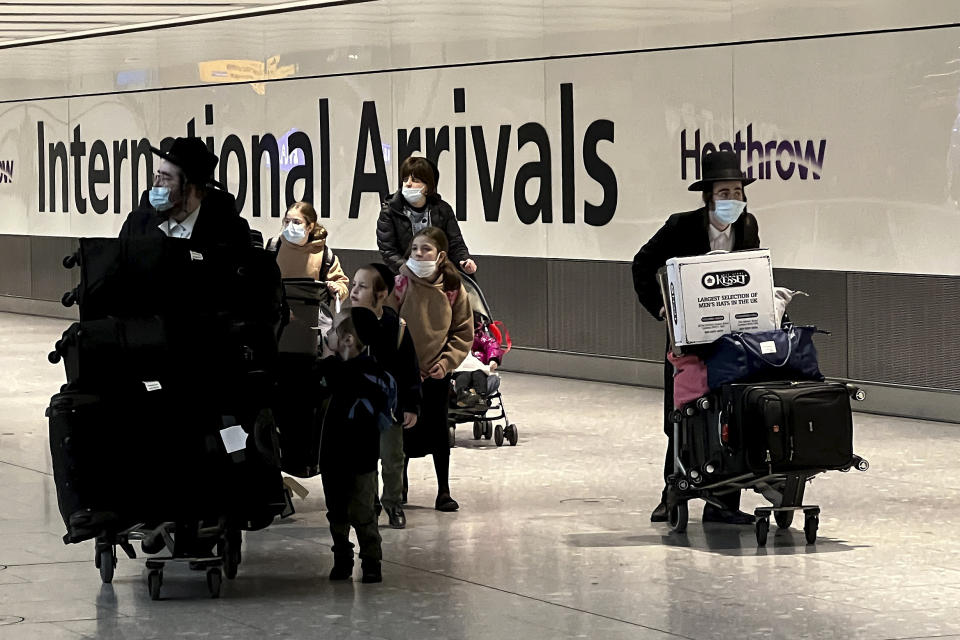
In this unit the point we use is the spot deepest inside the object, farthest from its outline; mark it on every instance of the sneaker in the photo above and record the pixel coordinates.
(397, 518)
(371, 572)
(660, 513)
(342, 569)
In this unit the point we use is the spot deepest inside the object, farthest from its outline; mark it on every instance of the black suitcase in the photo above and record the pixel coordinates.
(789, 426)
(298, 410)
(712, 448)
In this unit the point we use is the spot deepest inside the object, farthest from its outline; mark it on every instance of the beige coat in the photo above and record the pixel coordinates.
(305, 262)
(441, 328)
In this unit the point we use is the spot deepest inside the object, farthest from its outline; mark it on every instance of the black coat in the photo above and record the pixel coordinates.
(683, 234)
(395, 233)
(400, 361)
(349, 436)
(218, 223)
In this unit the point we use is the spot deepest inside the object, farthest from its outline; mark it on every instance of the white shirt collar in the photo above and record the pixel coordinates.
(184, 229)
(720, 239)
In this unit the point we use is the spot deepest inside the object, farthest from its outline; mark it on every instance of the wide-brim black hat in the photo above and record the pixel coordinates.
(717, 166)
(192, 156)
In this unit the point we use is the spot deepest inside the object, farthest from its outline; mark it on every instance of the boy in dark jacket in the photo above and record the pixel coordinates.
(393, 349)
(350, 443)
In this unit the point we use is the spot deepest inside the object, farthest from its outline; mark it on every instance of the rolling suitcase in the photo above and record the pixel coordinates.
(713, 450)
(788, 426)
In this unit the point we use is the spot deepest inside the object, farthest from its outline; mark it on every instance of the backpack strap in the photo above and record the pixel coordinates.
(273, 244)
(326, 263)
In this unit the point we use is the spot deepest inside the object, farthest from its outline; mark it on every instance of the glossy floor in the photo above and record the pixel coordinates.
(553, 540)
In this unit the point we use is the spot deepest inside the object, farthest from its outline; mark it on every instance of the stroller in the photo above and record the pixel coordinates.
(485, 405)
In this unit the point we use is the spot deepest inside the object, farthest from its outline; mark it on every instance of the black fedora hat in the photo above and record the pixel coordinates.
(193, 157)
(717, 166)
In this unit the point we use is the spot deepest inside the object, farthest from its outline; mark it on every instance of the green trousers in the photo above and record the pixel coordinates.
(349, 500)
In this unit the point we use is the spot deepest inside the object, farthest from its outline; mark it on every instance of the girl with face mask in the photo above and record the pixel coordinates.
(431, 299)
(302, 250)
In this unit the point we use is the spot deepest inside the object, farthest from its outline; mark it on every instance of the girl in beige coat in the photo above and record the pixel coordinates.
(432, 301)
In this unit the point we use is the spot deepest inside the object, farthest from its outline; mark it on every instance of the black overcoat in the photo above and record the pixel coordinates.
(394, 231)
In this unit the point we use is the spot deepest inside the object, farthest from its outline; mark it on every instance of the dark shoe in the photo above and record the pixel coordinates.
(660, 513)
(726, 516)
(342, 569)
(371, 572)
(446, 503)
(397, 519)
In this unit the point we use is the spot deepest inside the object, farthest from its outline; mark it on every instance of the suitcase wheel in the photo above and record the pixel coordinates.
(784, 518)
(106, 560)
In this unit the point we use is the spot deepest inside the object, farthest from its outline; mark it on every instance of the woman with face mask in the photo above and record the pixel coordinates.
(302, 250)
(415, 206)
(432, 301)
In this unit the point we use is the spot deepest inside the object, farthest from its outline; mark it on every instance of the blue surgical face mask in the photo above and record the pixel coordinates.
(728, 211)
(412, 195)
(295, 234)
(160, 198)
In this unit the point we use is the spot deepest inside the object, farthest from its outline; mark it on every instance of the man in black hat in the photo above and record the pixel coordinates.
(721, 224)
(182, 206)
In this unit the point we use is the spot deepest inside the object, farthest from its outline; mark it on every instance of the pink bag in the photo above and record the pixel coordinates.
(689, 378)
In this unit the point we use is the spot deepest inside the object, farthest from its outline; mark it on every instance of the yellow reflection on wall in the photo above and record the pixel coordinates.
(253, 71)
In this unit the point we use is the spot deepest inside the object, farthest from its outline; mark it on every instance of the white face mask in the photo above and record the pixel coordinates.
(295, 234)
(160, 198)
(412, 195)
(422, 268)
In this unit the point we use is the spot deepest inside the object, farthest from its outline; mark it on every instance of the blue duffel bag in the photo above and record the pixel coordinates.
(780, 354)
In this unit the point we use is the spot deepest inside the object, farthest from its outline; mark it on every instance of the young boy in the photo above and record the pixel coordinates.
(350, 442)
(393, 349)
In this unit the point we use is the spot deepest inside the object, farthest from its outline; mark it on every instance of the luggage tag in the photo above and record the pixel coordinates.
(768, 346)
(152, 385)
(194, 255)
(234, 439)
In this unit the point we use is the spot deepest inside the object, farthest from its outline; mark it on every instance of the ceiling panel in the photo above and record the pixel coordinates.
(44, 18)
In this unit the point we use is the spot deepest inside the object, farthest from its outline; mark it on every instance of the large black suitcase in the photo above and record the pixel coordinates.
(788, 426)
(711, 447)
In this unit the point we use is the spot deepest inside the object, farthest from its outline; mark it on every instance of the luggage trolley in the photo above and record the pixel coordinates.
(699, 426)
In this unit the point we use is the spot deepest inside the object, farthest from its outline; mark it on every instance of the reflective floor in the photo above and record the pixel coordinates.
(553, 539)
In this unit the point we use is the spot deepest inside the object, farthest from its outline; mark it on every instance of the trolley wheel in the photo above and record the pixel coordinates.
(214, 580)
(498, 435)
(452, 436)
(763, 528)
(477, 429)
(487, 429)
(678, 516)
(154, 582)
(784, 518)
(810, 525)
(512, 435)
(231, 554)
(106, 561)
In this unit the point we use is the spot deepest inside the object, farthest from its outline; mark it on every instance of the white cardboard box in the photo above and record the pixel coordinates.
(721, 293)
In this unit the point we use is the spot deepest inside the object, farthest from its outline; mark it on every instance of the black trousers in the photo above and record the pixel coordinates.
(732, 500)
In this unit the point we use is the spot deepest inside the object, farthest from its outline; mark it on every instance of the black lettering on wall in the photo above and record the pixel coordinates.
(406, 145)
(232, 146)
(491, 187)
(98, 175)
(542, 207)
(119, 155)
(364, 182)
(689, 154)
(41, 168)
(460, 154)
(208, 119)
(266, 144)
(437, 142)
(324, 158)
(141, 150)
(599, 215)
(192, 128)
(567, 179)
(58, 153)
(304, 172)
(78, 149)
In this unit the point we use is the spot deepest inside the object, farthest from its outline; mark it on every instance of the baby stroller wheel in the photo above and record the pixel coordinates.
(511, 433)
(677, 517)
(477, 429)
(498, 435)
(452, 436)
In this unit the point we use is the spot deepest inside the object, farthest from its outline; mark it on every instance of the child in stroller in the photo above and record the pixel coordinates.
(476, 383)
